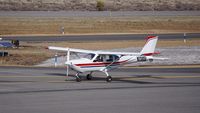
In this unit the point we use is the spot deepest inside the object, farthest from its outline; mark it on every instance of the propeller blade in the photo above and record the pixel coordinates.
(67, 71)
(67, 63)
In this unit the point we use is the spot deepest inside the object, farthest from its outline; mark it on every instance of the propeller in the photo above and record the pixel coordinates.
(67, 62)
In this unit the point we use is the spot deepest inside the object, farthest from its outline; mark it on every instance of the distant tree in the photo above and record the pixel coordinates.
(100, 5)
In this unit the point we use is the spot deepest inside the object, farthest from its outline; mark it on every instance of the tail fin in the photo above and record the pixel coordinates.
(149, 47)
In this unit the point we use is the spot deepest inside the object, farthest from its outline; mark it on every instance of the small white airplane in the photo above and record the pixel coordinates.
(104, 61)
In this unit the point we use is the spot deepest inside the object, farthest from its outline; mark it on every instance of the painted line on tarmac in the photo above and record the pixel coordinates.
(136, 77)
(158, 77)
(15, 76)
(179, 76)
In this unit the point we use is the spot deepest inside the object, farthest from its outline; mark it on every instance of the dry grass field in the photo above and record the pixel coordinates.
(92, 25)
(24, 55)
(91, 5)
(27, 55)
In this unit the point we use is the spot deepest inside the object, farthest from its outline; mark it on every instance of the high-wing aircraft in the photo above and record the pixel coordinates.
(104, 61)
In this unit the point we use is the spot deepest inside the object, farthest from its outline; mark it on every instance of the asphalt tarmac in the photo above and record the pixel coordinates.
(65, 14)
(99, 37)
(133, 90)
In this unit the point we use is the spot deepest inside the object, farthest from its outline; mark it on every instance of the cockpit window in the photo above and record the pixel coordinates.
(89, 56)
(106, 58)
(99, 58)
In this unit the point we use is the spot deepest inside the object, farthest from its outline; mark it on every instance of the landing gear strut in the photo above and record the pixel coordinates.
(108, 78)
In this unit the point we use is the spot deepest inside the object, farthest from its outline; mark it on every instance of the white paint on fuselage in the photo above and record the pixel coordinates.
(87, 65)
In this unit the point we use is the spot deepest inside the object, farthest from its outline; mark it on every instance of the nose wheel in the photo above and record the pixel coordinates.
(78, 79)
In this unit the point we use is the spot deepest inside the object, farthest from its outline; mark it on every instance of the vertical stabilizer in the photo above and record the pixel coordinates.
(149, 47)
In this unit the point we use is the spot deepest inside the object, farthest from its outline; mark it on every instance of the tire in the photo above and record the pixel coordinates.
(109, 79)
(89, 77)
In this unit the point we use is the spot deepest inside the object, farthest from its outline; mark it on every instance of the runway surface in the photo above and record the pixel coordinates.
(139, 90)
(99, 37)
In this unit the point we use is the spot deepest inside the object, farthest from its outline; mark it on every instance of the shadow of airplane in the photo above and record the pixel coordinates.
(128, 79)
(147, 84)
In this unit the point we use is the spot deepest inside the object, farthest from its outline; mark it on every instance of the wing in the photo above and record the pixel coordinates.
(70, 49)
(91, 51)
(117, 53)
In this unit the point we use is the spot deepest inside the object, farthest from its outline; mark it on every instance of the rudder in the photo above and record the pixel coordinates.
(149, 47)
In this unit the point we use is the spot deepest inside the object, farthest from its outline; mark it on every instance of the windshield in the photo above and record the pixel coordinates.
(89, 56)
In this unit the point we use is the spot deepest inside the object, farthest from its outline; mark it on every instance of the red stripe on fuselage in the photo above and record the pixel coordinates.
(99, 63)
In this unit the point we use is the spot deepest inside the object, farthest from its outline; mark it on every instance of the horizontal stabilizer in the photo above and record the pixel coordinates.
(159, 58)
(156, 58)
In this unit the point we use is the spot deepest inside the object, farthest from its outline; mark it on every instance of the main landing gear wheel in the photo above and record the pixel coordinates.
(89, 77)
(109, 79)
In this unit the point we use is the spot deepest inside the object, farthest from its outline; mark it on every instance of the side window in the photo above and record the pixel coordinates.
(109, 58)
(112, 58)
(99, 58)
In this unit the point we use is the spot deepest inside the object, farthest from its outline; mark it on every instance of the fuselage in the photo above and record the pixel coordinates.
(90, 65)
(104, 60)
